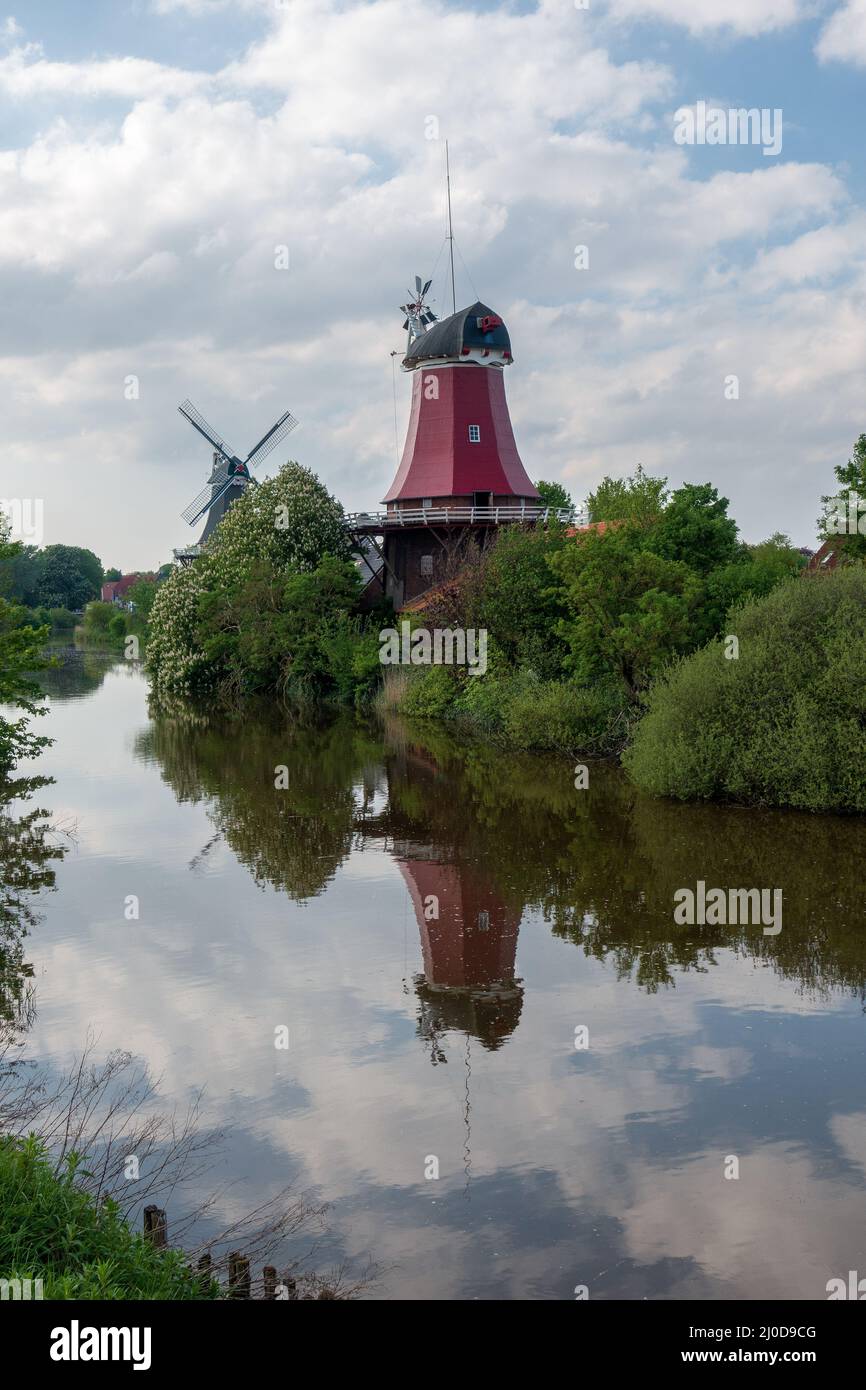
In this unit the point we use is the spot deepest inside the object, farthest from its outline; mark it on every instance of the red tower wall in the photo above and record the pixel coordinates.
(457, 952)
(438, 459)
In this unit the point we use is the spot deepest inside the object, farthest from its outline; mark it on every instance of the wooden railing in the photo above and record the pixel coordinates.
(437, 516)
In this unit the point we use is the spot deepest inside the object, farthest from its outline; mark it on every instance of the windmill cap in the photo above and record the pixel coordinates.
(477, 327)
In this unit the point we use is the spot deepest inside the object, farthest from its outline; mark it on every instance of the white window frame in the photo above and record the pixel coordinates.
(475, 438)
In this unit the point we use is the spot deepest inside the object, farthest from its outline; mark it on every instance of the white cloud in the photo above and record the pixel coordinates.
(745, 18)
(843, 38)
(147, 242)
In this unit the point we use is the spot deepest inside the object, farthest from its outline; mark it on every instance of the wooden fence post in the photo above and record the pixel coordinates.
(156, 1227)
(269, 1277)
(239, 1275)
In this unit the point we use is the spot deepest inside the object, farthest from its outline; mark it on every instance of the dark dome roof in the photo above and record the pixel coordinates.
(449, 337)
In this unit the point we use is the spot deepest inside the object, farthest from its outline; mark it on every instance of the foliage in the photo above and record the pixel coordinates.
(69, 576)
(695, 529)
(284, 632)
(61, 618)
(754, 574)
(20, 655)
(225, 620)
(97, 617)
(851, 477)
(785, 723)
(543, 715)
(52, 1230)
(554, 494)
(141, 595)
(430, 693)
(639, 499)
(519, 601)
(630, 610)
(111, 575)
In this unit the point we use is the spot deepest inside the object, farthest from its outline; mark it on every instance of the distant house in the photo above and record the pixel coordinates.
(116, 590)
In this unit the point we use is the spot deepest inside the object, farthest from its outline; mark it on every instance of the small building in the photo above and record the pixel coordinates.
(117, 590)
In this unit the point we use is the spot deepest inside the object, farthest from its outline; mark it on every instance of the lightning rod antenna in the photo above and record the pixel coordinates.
(450, 229)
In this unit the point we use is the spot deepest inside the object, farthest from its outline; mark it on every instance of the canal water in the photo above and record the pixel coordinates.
(509, 1073)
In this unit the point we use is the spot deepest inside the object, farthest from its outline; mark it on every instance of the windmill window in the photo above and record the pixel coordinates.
(426, 565)
(426, 502)
(474, 434)
(484, 921)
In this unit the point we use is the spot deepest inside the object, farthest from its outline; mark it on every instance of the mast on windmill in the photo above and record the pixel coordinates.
(230, 475)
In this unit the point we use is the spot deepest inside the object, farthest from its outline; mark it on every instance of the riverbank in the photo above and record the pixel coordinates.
(68, 1246)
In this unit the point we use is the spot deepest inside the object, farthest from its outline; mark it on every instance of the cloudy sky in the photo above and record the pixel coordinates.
(157, 153)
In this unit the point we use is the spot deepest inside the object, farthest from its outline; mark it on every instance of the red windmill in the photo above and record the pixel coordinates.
(460, 471)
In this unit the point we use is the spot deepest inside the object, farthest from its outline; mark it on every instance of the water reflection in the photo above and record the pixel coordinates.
(482, 838)
(399, 900)
(28, 854)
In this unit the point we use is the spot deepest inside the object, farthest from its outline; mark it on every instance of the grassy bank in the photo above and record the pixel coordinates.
(514, 708)
(53, 1231)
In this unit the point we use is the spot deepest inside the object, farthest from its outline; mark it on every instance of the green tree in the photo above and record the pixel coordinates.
(20, 574)
(758, 571)
(70, 577)
(554, 495)
(142, 596)
(111, 575)
(640, 499)
(695, 529)
(20, 656)
(842, 507)
(629, 610)
(519, 600)
(284, 527)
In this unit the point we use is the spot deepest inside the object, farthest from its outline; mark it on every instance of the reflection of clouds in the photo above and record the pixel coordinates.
(774, 1233)
(724, 1063)
(849, 1131)
(211, 1006)
(604, 1165)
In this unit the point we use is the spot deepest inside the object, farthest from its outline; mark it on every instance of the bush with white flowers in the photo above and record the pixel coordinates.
(287, 524)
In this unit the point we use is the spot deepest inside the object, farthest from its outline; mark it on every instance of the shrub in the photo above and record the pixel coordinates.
(97, 617)
(61, 617)
(785, 723)
(429, 693)
(564, 717)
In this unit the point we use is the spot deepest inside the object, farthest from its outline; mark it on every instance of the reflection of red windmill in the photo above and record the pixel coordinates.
(469, 942)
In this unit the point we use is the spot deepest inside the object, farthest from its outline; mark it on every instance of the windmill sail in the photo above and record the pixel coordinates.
(269, 442)
(207, 497)
(230, 475)
(198, 422)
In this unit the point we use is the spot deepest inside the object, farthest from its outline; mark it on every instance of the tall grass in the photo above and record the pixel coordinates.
(50, 1229)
